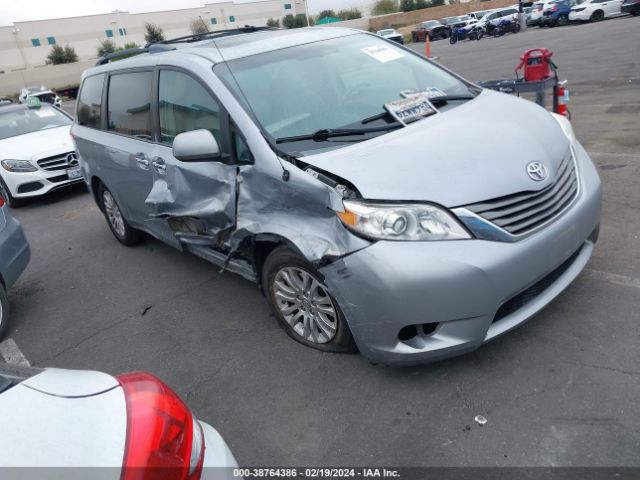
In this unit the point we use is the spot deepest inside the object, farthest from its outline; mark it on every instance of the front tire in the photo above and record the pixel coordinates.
(453, 39)
(124, 233)
(597, 16)
(9, 199)
(563, 20)
(302, 303)
(4, 311)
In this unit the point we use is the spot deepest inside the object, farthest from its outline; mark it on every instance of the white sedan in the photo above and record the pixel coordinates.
(40, 92)
(595, 10)
(36, 151)
(133, 423)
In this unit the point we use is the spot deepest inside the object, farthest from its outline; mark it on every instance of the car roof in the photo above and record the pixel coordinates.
(232, 47)
(10, 107)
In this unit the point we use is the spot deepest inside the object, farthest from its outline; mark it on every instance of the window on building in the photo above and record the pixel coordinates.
(232, 18)
(51, 40)
(214, 21)
(287, 6)
(185, 105)
(129, 104)
(90, 101)
(35, 42)
(109, 33)
(122, 31)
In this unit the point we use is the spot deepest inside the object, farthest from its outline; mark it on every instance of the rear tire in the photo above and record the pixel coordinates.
(124, 233)
(4, 311)
(597, 16)
(298, 297)
(563, 20)
(453, 39)
(515, 28)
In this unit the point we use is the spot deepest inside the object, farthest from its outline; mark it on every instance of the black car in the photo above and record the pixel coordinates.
(631, 6)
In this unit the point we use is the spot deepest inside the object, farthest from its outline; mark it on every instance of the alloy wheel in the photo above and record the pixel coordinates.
(305, 305)
(113, 213)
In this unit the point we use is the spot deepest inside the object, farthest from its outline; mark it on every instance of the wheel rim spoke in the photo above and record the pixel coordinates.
(305, 304)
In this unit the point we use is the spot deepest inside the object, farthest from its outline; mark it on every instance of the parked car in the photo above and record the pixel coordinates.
(456, 22)
(391, 34)
(433, 28)
(40, 92)
(478, 14)
(491, 19)
(6, 101)
(527, 15)
(36, 151)
(134, 424)
(557, 13)
(326, 199)
(595, 10)
(14, 257)
(537, 13)
(630, 6)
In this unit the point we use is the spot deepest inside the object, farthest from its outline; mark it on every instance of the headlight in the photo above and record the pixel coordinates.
(405, 221)
(565, 124)
(18, 166)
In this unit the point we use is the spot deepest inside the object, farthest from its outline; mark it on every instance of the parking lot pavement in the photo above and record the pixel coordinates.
(561, 390)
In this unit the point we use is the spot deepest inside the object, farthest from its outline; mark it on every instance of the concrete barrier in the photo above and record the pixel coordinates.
(53, 76)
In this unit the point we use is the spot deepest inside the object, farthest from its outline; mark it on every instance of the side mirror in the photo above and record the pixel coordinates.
(196, 146)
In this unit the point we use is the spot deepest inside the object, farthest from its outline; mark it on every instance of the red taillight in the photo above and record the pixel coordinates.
(1, 202)
(161, 432)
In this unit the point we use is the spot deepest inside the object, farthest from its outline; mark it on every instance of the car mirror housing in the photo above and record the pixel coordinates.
(196, 146)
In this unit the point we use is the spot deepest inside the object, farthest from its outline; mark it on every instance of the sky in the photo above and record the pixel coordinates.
(20, 10)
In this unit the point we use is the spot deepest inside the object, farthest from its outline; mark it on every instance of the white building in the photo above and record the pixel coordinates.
(25, 45)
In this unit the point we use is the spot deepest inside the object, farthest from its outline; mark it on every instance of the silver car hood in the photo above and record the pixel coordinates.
(473, 152)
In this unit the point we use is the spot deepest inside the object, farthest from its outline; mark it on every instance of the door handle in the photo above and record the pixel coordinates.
(142, 160)
(159, 165)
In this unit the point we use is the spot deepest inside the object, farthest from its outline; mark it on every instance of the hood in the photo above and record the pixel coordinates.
(476, 151)
(392, 35)
(35, 145)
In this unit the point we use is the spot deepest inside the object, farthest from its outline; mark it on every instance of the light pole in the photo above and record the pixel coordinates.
(521, 19)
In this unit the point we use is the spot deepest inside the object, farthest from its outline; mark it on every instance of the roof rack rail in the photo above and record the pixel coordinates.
(196, 37)
(153, 48)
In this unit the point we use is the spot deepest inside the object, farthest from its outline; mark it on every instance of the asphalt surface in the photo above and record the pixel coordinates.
(561, 390)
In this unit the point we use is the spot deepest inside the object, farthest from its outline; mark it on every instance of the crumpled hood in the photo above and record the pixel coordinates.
(35, 145)
(475, 151)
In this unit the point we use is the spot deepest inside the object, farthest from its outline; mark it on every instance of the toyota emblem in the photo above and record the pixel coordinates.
(72, 159)
(537, 171)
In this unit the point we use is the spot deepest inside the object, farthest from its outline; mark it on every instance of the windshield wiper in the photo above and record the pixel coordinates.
(434, 100)
(327, 133)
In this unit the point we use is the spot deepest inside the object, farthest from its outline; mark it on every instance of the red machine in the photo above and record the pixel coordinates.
(537, 64)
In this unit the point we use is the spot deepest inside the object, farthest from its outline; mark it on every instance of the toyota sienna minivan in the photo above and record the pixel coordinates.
(381, 202)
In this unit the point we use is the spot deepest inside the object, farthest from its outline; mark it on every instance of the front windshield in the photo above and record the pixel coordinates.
(22, 121)
(330, 84)
(431, 23)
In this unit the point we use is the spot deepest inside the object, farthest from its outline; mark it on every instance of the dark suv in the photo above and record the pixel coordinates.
(557, 13)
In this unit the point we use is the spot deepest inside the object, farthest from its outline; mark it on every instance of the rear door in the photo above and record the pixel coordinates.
(193, 203)
(131, 144)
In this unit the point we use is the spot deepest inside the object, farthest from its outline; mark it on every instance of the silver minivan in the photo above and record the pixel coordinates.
(381, 202)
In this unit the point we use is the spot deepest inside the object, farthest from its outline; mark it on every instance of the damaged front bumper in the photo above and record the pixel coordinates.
(416, 302)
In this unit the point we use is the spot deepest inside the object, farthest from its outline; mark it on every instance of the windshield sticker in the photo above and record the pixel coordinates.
(410, 109)
(45, 113)
(382, 53)
(431, 92)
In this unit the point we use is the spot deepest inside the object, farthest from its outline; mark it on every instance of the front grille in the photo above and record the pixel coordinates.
(522, 212)
(520, 300)
(59, 162)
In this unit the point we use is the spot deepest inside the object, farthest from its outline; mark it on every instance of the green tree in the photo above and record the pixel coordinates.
(59, 55)
(273, 22)
(407, 5)
(383, 7)
(105, 47)
(154, 33)
(326, 13)
(289, 21)
(350, 14)
(129, 45)
(420, 4)
(198, 27)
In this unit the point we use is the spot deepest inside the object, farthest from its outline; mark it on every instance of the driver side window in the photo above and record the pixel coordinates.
(185, 105)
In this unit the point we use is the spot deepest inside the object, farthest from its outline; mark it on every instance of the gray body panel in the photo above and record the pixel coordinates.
(14, 248)
(469, 153)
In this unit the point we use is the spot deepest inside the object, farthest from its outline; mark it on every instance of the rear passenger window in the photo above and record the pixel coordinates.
(90, 101)
(185, 105)
(129, 104)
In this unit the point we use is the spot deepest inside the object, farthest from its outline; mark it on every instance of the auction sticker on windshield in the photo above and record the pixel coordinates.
(431, 92)
(410, 109)
(382, 53)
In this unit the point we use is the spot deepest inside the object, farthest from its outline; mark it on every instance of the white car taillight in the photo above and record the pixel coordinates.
(164, 441)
